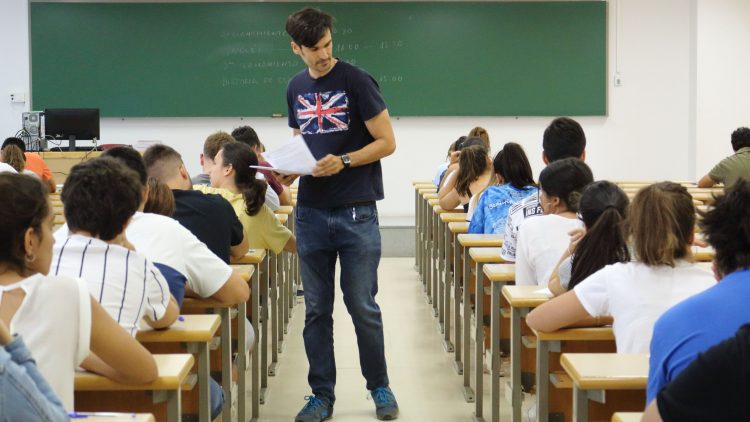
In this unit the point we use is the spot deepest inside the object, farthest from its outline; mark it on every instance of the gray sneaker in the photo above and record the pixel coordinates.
(386, 407)
(316, 410)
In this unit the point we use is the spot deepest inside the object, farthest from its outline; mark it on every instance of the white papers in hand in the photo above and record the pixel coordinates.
(294, 157)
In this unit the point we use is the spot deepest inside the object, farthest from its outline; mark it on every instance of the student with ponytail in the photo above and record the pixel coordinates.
(602, 240)
(660, 224)
(541, 240)
(515, 182)
(234, 179)
(473, 175)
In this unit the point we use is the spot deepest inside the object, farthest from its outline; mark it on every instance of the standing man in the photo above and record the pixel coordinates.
(341, 114)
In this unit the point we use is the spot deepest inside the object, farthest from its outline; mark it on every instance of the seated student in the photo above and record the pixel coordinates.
(13, 156)
(660, 224)
(450, 158)
(734, 167)
(448, 181)
(247, 135)
(209, 217)
(705, 319)
(213, 144)
(164, 241)
(234, 179)
(62, 325)
(160, 198)
(34, 163)
(100, 197)
(541, 240)
(473, 175)
(714, 387)
(563, 138)
(26, 394)
(599, 243)
(481, 133)
(515, 182)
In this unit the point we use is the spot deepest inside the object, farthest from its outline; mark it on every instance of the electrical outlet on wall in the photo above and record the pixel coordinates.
(17, 97)
(618, 79)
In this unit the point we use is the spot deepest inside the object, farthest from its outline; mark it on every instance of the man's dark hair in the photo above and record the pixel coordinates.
(14, 141)
(740, 138)
(162, 162)
(727, 228)
(307, 26)
(99, 196)
(131, 159)
(563, 138)
(246, 135)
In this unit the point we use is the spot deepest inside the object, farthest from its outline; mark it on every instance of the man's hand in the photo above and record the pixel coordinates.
(286, 179)
(328, 166)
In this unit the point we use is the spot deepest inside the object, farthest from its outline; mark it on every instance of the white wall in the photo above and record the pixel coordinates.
(648, 134)
(723, 77)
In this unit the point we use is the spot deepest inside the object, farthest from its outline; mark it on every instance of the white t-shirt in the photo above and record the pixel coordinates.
(636, 295)
(7, 168)
(517, 214)
(541, 242)
(272, 199)
(125, 283)
(165, 241)
(55, 322)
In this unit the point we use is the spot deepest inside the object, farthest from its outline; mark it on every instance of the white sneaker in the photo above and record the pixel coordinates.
(528, 408)
(235, 398)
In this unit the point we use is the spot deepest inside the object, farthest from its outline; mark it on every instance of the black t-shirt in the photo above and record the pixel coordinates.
(714, 387)
(330, 112)
(210, 218)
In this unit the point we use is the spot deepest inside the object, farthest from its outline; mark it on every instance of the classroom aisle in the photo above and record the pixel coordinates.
(420, 371)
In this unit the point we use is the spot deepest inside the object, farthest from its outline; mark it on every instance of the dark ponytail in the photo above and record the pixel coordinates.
(602, 208)
(511, 163)
(241, 157)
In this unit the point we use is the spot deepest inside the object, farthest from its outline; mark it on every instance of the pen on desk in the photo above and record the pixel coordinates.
(79, 415)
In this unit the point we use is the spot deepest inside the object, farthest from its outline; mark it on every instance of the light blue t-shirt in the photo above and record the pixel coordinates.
(694, 325)
(492, 209)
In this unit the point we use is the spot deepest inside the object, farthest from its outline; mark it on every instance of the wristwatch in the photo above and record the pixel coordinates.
(346, 160)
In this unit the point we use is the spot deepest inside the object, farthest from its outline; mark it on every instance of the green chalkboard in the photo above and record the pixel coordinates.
(234, 59)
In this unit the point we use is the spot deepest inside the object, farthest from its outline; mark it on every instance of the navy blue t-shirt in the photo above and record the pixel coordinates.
(330, 112)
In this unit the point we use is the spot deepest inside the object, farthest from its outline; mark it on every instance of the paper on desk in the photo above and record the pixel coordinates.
(545, 291)
(294, 157)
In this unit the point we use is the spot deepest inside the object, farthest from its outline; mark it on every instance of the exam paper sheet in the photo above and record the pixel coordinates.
(293, 157)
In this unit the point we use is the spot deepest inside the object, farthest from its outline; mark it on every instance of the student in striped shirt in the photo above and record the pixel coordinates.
(100, 197)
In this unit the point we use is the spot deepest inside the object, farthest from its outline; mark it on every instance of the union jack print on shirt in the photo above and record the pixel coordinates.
(322, 112)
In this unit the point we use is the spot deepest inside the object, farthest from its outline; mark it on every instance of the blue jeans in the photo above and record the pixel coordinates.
(24, 394)
(352, 235)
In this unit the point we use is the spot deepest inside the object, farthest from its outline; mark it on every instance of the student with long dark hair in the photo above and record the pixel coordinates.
(234, 179)
(59, 320)
(541, 240)
(600, 242)
(660, 224)
(515, 182)
(473, 175)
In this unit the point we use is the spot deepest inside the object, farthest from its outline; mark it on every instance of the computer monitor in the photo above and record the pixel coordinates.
(72, 124)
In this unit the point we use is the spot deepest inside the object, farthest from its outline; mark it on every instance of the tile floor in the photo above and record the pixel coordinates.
(421, 374)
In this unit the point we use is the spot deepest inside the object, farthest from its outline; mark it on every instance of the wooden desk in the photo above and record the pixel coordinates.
(449, 270)
(498, 275)
(60, 163)
(284, 209)
(627, 417)
(552, 342)
(467, 241)
(521, 300)
(173, 371)
(454, 249)
(441, 282)
(196, 331)
(258, 258)
(226, 345)
(702, 254)
(594, 373)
